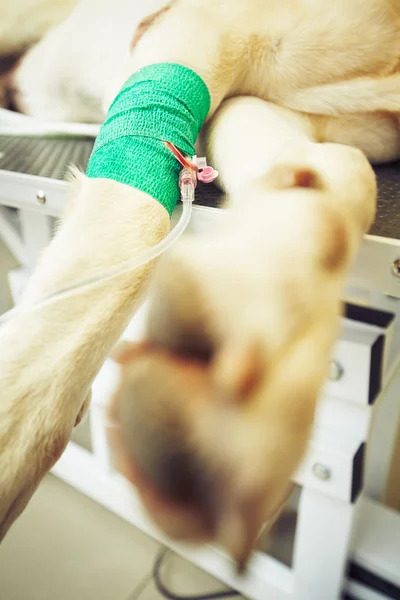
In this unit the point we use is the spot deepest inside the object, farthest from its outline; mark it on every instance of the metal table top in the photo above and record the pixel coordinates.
(48, 157)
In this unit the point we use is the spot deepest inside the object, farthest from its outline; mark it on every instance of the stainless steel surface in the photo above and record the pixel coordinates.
(48, 156)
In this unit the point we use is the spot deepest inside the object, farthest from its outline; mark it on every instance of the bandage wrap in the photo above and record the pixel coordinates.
(162, 102)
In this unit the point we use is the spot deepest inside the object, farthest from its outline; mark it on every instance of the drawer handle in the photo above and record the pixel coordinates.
(335, 371)
(321, 471)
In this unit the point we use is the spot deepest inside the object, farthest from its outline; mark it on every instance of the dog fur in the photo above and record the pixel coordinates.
(243, 319)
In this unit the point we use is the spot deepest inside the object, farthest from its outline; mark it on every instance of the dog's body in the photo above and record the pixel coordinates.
(263, 294)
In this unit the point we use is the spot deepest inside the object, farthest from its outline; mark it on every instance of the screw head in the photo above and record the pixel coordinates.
(321, 471)
(396, 267)
(41, 197)
(335, 371)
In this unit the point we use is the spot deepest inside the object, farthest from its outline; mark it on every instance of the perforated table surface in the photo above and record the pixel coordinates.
(50, 157)
(29, 164)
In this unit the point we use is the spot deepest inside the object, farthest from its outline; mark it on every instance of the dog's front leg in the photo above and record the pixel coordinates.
(249, 138)
(49, 357)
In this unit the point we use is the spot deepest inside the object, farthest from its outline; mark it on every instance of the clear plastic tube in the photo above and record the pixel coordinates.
(187, 185)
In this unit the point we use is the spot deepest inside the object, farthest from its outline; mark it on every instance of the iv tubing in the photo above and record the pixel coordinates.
(187, 185)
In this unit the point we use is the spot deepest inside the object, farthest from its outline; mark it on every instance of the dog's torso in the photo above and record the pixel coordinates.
(270, 49)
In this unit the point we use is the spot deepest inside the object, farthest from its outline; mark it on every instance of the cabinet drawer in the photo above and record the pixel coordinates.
(358, 360)
(333, 465)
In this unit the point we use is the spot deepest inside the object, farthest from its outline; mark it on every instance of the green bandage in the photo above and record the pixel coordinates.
(162, 102)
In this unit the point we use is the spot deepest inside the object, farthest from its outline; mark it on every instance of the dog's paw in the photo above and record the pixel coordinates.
(214, 409)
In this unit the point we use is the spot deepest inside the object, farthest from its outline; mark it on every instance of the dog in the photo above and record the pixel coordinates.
(214, 408)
